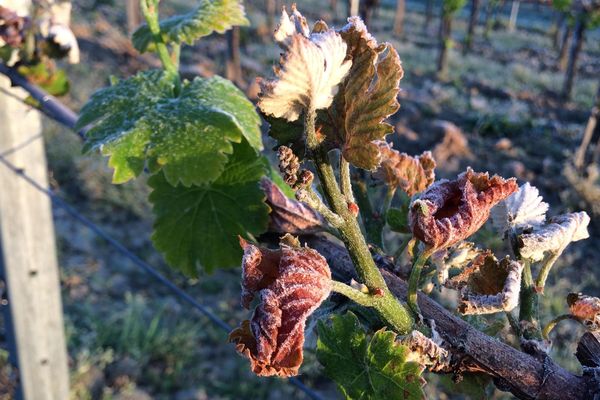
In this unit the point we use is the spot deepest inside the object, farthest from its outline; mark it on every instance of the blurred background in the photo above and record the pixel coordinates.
(513, 96)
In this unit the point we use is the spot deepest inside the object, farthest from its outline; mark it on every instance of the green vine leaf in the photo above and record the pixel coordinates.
(210, 16)
(141, 121)
(374, 369)
(197, 227)
(397, 219)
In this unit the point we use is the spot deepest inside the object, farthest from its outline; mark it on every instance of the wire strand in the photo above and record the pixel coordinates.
(76, 215)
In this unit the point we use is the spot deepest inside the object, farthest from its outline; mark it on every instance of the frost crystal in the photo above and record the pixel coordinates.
(524, 208)
(309, 73)
(555, 236)
(292, 282)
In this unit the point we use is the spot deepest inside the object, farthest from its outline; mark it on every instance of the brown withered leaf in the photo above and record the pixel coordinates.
(288, 215)
(586, 309)
(292, 282)
(399, 170)
(488, 286)
(365, 98)
(451, 211)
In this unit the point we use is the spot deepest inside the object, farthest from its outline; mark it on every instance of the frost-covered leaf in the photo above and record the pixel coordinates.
(586, 309)
(292, 282)
(451, 211)
(375, 369)
(427, 351)
(487, 285)
(399, 170)
(288, 215)
(522, 209)
(458, 256)
(365, 98)
(197, 227)
(210, 16)
(555, 236)
(142, 121)
(310, 71)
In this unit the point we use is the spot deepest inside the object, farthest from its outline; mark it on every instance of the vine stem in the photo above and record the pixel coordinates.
(540, 282)
(548, 328)
(345, 181)
(414, 278)
(529, 304)
(387, 201)
(382, 300)
(150, 11)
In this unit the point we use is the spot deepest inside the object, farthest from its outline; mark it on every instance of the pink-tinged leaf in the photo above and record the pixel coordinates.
(290, 216)
(451, 211)
(291, 282)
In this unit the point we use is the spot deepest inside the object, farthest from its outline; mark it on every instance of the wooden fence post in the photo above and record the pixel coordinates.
(28, 262)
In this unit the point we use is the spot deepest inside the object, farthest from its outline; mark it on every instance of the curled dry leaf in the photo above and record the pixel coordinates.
(524, 208)
(586, 309)
(309, 73)
(488, 286)
(399, 170)
(291, 282)
(555, 236)
(426, 351)
(458, 256)
(451, 211)
(12, 28)
(365, 98)
(290, 216)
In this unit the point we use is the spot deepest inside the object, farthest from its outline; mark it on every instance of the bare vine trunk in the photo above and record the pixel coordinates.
(399, 17)
(366, 9)
(564, 47)
(514, 13)
(271, 10)
(428, 15)
(234, 62)
(445, 44)
(559, 21)
(472, 24)
(591, 127)
(134, 17)
(576, 47)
